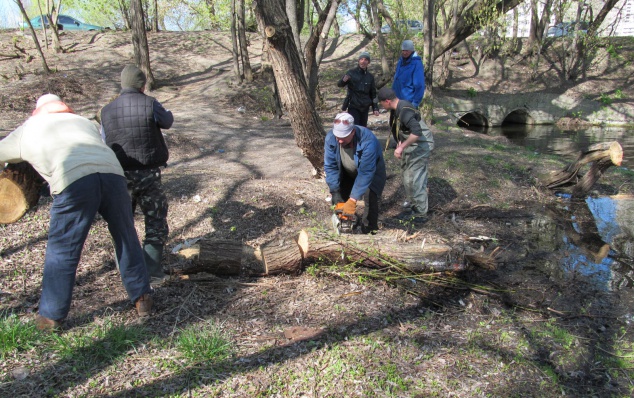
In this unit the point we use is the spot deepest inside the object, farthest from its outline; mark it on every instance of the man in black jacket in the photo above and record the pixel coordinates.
(361, 91)
(131, 125)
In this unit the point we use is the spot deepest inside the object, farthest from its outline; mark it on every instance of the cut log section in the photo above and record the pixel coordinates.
(219, 257)
(20, 188)
(601, 155)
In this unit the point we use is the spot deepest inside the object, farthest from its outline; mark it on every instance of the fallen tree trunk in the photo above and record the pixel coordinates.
(601, 155)
(20, 188)
(291, 256)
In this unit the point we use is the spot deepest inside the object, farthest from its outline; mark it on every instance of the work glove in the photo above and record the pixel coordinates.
(350, 207)
(336, 198)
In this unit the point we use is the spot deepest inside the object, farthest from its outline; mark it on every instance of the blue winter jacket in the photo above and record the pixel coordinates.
(409, 79)
(368, 158)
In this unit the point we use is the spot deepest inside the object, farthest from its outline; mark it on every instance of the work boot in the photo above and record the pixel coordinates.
(153, 255)
(46, 325)
(144, 305)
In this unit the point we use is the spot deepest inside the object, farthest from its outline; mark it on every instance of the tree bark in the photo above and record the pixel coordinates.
(139, 43)
(242, 36)
(219, 257)
(287, 67)
(234, 43)
(20, 188)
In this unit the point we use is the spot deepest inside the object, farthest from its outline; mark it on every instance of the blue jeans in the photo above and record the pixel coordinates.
(72, 214)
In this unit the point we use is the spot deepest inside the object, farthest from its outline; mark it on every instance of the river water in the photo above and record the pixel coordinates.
(594, 239)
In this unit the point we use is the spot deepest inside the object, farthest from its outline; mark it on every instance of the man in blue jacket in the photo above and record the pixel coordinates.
(354, 166)
(409, 78)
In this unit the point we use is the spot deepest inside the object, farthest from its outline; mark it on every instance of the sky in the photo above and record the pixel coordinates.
(9, 14)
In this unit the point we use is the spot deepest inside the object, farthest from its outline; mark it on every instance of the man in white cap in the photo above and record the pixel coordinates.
(361, 91)
(85, 178)
(354, 166)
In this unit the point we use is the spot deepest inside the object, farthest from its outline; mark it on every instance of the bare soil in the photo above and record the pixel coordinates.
(235, 172)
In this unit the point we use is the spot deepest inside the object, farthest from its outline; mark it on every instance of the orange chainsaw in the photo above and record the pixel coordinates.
(343, 222)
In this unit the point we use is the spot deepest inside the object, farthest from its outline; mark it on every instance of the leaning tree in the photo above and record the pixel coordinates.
(288, 72)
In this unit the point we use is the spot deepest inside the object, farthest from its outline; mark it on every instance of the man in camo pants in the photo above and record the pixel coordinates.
(131, 125)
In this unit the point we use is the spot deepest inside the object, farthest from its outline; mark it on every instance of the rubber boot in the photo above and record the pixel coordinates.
(153, 255)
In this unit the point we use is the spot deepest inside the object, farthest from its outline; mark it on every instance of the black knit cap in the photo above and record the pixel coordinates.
(132, 77)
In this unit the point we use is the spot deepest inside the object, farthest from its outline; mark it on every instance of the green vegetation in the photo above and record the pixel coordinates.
(206, 343)
(15, 335)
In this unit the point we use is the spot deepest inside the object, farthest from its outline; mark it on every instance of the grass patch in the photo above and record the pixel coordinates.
(106, 343)
(15, 335)
(204, 344)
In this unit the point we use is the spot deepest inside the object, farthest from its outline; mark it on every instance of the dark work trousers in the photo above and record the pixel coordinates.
(371, 200)
(360, 116)
(72, 214)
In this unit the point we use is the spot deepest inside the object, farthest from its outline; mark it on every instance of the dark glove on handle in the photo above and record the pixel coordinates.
(336, 197)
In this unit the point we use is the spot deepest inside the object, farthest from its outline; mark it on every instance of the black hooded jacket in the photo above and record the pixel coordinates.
(361, 90)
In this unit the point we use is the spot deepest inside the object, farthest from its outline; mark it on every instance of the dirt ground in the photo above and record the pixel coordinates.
(236, 173)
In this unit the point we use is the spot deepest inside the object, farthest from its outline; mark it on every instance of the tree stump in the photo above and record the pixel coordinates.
(20, 188)
(602, 156)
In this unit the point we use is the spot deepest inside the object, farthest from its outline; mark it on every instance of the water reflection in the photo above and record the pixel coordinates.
(566, 142)
(592, 239)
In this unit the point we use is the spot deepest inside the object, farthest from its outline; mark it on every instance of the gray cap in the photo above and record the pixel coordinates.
(407, 45)
(365, 55)
(132, 77)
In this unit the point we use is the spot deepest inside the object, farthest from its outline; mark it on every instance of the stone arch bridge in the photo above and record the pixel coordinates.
(493, 110)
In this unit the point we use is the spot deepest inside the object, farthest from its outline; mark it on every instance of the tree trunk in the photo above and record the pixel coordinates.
(139, 43)
(45, 68)
(290, 256)
(602, 155)
(242, 36)
(292, 13)
(310, 51)
(20, 188)
(287, 67)
(234, 43)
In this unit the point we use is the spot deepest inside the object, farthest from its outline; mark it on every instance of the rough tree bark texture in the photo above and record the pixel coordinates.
(289, 75)
(139, 42)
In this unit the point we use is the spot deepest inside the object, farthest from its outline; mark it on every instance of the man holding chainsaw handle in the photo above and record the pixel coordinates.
(354, 166)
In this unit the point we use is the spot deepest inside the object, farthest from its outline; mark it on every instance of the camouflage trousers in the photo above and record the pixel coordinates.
(146, 191)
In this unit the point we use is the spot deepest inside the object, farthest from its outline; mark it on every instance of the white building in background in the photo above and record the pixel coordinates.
(623, 14)
(619, 22)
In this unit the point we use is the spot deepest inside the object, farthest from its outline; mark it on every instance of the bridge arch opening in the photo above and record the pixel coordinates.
(473, 119)
(518, 116)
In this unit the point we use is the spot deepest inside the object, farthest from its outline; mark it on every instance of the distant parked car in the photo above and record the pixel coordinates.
(413, 26)
(563, 29)
(64, 22)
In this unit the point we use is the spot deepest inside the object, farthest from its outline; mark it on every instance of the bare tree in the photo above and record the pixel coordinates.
(139, 42)
(287, 68)
(35, 39)
(234, 42)
(242, 36)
